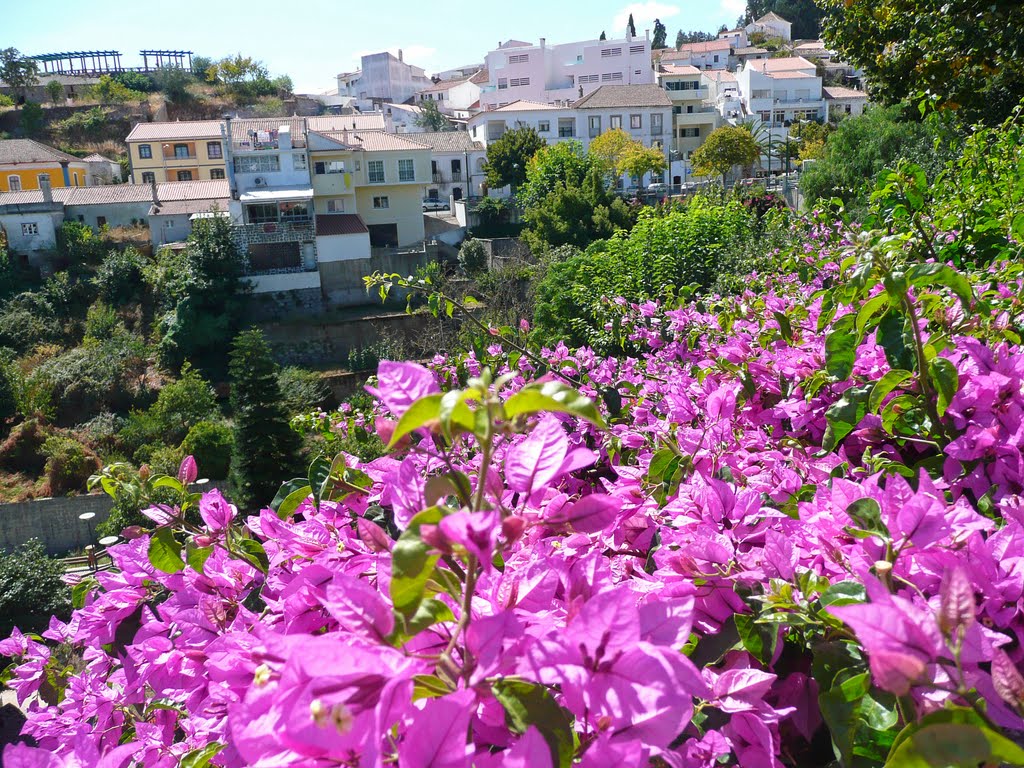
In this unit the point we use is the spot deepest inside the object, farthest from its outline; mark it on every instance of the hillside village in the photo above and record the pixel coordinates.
(311, 198)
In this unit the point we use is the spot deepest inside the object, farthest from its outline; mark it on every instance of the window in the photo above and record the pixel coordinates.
(148, 177)
(299, 162)
(716, 58)
(677, 110)
(566, 128)
(381, 202)
(761, 93)
(216, 173)
(636, 122)
(30, 228)
(516, 82)
(257, 164)
(261, 213)
(655, 125)
(609, 52)
(45, 177)
(336, 206)
(145, 151)
(594, 123)
(689, 109)
(685, 133)
(76, 179)
(588, 79)
(14, 183)
(329, 166)
(214, 150)
(544, 126)
(616, 121)
(780, 116)
(636, 49)
(638, 71)
(502, 83)
(519, 58)
(764, 117)
(169, 224)
(181, 150)
(184, 175)
(295, 211)
(375, 171)
(406, 170)
(101, 221)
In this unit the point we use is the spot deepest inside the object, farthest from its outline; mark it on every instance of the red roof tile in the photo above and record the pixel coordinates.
(339, 224)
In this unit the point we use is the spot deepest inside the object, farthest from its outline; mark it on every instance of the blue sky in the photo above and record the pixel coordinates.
(313, 40)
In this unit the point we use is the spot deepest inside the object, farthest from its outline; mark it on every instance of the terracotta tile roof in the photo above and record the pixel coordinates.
(614, 96)
(373, 141)
(839, 92)
(786, 64)
(750, 51)
(369, 121)
(181, 207)
(481, 78)
(16, 151)
(339, 224)
(708, 47)
(680, 69)
(184, 129)
(523, 105)
(125, 193)
(446, 141)
(97, 158)
(719, 75)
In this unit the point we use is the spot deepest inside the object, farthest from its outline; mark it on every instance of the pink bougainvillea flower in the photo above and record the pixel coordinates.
(399, 385)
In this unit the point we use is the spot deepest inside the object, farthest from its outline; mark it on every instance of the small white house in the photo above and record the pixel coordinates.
(772, 25)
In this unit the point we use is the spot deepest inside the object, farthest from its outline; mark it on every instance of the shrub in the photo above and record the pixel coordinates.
(31, 118)
(86, 125)
(181, 405)
(210, 443)
(8, 393)
(31, 589)
(120, 277)
(302, 390)
(135, 81)
(6, 101)
(68, 466)
(472, 256)
(165, 459)
(21, 328)
(102, 322)
(79, 244)
(22, 451)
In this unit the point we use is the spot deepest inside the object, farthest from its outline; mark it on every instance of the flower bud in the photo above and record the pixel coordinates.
(956, 601)
(202, 540)
(132, 532)
(187, 472)
(144, 472)
(1007, 680)
(512, 528)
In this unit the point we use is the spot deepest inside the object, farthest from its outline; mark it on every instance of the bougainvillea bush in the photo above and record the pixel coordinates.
(788, 529)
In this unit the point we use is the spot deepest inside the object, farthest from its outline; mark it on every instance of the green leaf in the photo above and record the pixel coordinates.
(757, 639)
(412, 564)
(529, 704)
(429, 612)
(869, 309)
(785, 327)
(942, 274)
(896, 340)
(196, 557)
(841, 347)
(884, 386)
(81, 591)
(455, 415)
(253, 551)
(200, 758)
(843, 415)
(319, 474)
(165, 551)
(843, 593)
(429, 687)
(946, 380)
(420, 413)
(555, 397)
(169, 482)
(867, 514)
(964, 745)
(284, 502)
(660, 462)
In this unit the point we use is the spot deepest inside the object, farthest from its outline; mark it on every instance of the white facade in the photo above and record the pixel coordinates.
(771, 25)
(777, 91)
(561, 74)
(693, 116)
(453, 97)
(383, 78)
(402, 117)
(737, 37)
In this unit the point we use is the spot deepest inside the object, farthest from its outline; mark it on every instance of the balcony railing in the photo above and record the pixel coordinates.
(566, 133)
(437, 177)
(456, 175)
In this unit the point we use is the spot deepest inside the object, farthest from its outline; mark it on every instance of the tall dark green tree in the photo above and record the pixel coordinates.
(630, 26)
(660, 36)
(266, 447)
(805, 15)
(18, 72)
(603, 35)
(430, 117)
(507, 157)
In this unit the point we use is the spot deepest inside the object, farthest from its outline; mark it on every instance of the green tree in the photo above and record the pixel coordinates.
(805, 15)
(181, 405)
(18, 72)
(430, 117)
(561, 164)
(120, 277)
(31, 119)
(639, 160)
(507, 157)
(266, 447)
(630, 26)
(680, 39)
(603, 36)
(201, 66)
(860, 147)
(608, 149)
(55, 91)
(107, 90)
(472, 256)
(961, 55)
(660, 36)
(174, 82)
(31, 589)
(202, 289)
(575, 214)
(211, 444)
(8, 394)
(724, 149)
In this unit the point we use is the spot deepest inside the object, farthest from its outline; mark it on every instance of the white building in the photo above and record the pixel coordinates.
(642, 111)
(456, 97)
(778, 91)
(561, 74)
(737, 37)
(694, 117)
(841, 102)
(771, 25)
(403, 117)
(713, 54)
(382, 78)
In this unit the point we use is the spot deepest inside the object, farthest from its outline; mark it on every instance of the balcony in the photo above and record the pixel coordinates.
(437, 177)
(456, 176)
(697, 117)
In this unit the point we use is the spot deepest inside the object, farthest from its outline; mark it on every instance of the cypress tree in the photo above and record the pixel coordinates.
(266, 447)
(631, 26)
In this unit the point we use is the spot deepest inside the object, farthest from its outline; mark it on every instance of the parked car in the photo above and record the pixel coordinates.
(657, 186)
(435, 205)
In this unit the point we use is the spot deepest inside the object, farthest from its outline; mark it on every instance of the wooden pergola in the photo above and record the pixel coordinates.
(80, 62)
(174, 59)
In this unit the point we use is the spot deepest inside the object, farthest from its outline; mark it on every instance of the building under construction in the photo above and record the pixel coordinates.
(95, 63)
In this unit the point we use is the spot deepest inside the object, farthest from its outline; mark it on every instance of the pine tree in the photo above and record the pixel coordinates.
(660, 36)
(680, 39)
(631, 27)
(266, 448)
(603, 35)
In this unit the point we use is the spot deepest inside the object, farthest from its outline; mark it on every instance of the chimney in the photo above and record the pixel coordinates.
(152, 186)
(647, 34)
(542, 41)
(400, 58)
(44, 186)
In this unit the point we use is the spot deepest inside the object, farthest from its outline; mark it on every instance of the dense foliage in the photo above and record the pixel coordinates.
(784, 529)
(507, 157)
(32, 591)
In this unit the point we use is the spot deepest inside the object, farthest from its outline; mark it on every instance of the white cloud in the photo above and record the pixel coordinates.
(644, 15)
(417, 55)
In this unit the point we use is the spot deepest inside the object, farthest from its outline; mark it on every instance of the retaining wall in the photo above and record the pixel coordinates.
(53, 521)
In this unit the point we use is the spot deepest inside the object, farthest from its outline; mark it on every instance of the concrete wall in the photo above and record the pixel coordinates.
(287, 281)
(53, 521)
(342, 281)
(116, 214)
(47, 224)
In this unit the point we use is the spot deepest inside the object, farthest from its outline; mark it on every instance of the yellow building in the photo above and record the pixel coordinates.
(377, 175)
(191, 150)
(24, 162)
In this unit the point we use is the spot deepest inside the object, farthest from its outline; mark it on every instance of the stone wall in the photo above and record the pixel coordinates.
(53, 521)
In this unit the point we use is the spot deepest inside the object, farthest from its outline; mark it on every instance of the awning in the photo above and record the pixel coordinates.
(276, 194)
(209, 215)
